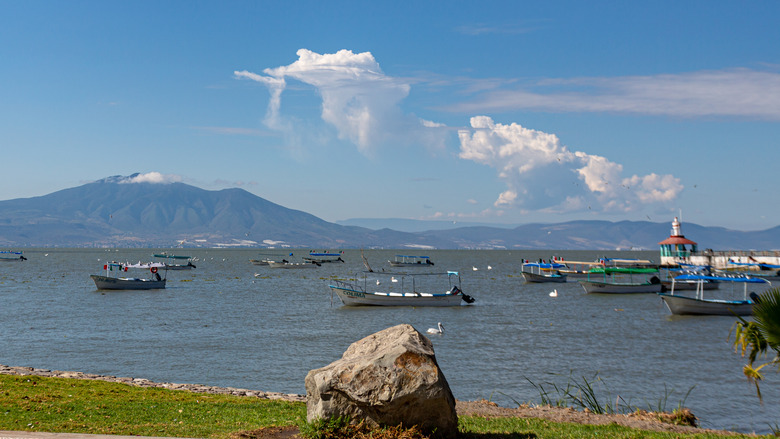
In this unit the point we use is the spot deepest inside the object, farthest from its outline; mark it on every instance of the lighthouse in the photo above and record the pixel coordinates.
(673, 248)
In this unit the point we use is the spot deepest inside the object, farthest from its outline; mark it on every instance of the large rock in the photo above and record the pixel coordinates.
(388, 378)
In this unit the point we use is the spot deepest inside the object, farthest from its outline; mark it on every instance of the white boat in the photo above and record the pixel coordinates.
(622, 280)
(541, 272)
(113, 281)
(697, 305)
(323, 257)
(411, 261)
(11, 256)
(399, 289)
(174, 266)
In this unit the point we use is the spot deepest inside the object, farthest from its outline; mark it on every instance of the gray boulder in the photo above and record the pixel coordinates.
(388, 378)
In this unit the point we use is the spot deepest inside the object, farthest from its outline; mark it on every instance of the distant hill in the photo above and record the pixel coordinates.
(114, 213)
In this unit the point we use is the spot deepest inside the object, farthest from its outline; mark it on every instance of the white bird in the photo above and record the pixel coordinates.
(436, 331)
(554, 293)
(393, 279)
(377, 282)
(474, 268)
(489, 267)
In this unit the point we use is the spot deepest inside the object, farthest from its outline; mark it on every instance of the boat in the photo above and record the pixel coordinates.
(622, 280)
(671, 273)
(174, 266)
(284, 263)
(263, 261)
(324, 257)
(697, 305)
(539, 272)
(112, 281)
(399, 289)
(12, 256)
(575, 269)
(769, 272)
(411, 261)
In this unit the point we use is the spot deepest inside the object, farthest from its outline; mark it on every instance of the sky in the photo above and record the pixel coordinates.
(504, 112)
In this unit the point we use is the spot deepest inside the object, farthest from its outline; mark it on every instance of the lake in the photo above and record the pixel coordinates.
(231, 323)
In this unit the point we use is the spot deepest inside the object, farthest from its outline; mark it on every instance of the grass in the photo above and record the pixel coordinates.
(32, 403)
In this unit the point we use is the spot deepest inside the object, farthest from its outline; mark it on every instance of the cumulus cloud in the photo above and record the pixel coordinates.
(543, 174)
(734, 92)
(152, 177)
(358, 99)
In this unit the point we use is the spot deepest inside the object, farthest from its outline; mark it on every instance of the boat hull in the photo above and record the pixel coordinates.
(620, 288)
(275, 264)
(123, 283)
(682, 305)
(543, 278)
(352, 297)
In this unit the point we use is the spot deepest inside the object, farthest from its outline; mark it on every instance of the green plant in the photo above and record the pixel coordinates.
(760, 336)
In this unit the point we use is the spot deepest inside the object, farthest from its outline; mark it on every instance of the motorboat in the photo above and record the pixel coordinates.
(541, 272)
(411, 261)
(175, 258)
(697, 305)
(11, 256)
(323, 257)
(400, 289)
(622, 280)
(113, 279)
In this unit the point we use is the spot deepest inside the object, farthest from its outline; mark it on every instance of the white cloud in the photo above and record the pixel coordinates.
(358, 99)
(734, 92)
(542, 174)
(152, 177)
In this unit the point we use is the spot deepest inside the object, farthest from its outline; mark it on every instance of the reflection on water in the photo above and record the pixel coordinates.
(231, 323)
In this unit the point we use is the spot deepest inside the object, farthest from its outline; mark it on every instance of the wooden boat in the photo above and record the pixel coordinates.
(12, 256)
(540, 272)
(284, 263)
(698, 305)
(174, 266)
(671, 273)
(411, 261)
(400, 289)
(111, 281)
(622, 280)
(576, 269)
(323, 258)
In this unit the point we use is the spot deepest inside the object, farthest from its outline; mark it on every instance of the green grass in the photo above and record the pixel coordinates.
(32, 403)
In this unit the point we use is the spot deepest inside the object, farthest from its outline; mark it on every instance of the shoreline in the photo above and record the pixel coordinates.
(642, 421)
(142, 382)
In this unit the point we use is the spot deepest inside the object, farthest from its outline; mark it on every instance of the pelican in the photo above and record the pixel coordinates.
(474, 268)
(489, 267)
(377, 282)
(393, 279)
(554, 293)
(436, 331)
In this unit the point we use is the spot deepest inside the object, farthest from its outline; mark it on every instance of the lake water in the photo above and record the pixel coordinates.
(221, 325)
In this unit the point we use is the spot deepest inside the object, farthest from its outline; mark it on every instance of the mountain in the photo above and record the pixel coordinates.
(113, 212)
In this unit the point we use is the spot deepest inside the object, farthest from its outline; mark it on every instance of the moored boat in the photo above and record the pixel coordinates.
(697, 305)
(411, 261)
(111, 281)
(323, 257)
(287, 264)
(400, 289)
(542, 272)
(622, 280)
(175, 258)
(11, 256)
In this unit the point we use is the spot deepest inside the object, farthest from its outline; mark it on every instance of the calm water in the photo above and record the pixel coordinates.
(221, 325)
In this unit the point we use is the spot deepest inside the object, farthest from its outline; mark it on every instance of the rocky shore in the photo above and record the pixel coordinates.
(141, 382)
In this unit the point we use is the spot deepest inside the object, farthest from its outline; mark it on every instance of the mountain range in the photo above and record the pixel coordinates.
(113, 212)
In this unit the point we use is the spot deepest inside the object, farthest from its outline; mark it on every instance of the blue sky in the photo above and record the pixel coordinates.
(495, 111)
